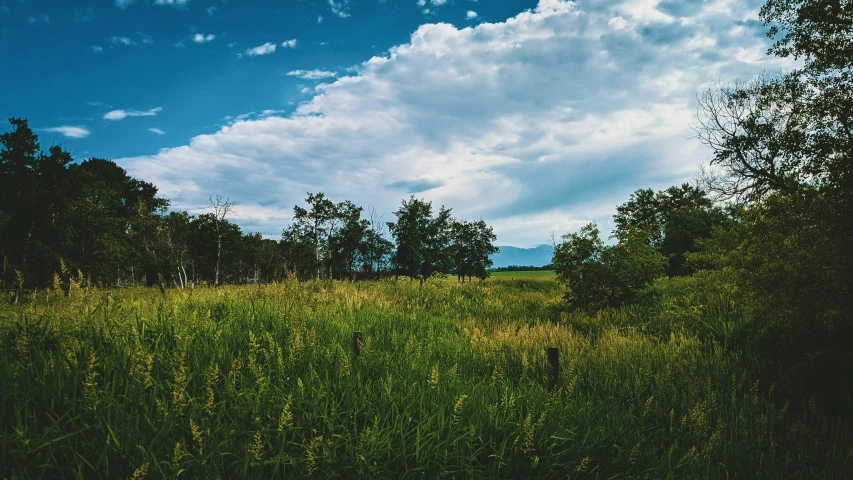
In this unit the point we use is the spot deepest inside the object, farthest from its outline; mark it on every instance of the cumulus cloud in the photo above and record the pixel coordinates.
(200, 38)
(311, 74)
(122, 114)
(471, 14)
(261, 49)
(535, 124)
(157, 131)
(289, 43)
(339, 7)
(70, 131)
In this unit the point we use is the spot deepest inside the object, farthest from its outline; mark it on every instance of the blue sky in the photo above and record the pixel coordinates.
(535, 116)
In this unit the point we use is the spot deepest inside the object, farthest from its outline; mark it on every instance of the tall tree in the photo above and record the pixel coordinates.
(316, 223)
(424, 242)
(672, 220)
(473, 245)
(220, 209)
(347, 242)
(31, 203)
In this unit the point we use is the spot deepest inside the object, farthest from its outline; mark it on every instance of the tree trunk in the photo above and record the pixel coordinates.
(218, 256)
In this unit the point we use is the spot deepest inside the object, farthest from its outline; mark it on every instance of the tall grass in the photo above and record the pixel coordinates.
(261, 382)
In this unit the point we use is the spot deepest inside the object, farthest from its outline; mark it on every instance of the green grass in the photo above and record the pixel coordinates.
(261, 382)
(537, 274)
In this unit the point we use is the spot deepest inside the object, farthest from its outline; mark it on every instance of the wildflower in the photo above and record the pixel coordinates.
(180, 383)
(140, 473)
(197, 438)
(498, 373)
(311, 454)
(460, 404)
(211, 376)
(177, 455)
(529, 431)
(257, 449)
(285, 418)
(433, 378)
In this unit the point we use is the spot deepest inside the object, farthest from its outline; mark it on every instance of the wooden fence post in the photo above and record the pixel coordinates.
(357, 340)
(553, 367)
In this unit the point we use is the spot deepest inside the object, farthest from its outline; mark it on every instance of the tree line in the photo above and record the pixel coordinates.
(90, 223)
(769, 223)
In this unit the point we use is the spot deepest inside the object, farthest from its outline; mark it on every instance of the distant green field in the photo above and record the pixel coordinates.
(525, 274)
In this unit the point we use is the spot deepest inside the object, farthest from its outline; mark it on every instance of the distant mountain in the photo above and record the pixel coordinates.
(536, 256)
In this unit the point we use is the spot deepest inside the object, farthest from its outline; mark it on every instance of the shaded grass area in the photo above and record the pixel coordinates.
(261, 382)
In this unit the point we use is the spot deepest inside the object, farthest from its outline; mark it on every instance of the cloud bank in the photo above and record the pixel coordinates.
(536, 124)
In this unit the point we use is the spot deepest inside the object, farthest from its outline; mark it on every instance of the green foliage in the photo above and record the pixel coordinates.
(333, 241)
(598, 276)
(673, 220)
(473, 244)
(423, 241)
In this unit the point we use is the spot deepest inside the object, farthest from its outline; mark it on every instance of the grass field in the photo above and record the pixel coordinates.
(532, 274)
(262, 382)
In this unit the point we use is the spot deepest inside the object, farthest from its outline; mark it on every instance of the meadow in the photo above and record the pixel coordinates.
(531, 274)
(262, 381)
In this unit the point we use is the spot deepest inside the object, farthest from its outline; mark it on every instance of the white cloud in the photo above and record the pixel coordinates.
(261, 49)
(124, 3)
(122, 114)
(289, 43)
(97, 48)
(319, 19)
(157, 131)
(70, 131)
(171, 3)
(311, 74)
(200, 38)
(546, 120)
(339, 7)
(126, 41)
(471, 14)
(119, 41)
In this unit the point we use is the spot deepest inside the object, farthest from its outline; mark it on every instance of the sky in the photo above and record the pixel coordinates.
(536, 117)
